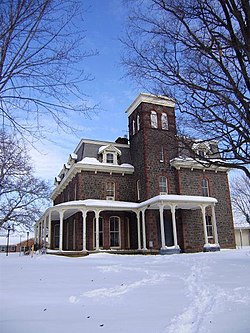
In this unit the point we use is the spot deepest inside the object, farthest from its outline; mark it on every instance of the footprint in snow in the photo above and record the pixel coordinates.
(73, 299)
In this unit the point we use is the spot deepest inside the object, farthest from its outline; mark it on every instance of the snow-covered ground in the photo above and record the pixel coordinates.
(185, 293)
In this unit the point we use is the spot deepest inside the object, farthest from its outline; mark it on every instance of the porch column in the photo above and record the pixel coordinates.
(44, 231)
(84, 216)
(214, 226)
(203, 210)
(174, 226)
(97, 246)
(49, 231)
(138, 230)
(41, 234)
(144, 230)
(38, 234)
(61, 231)
(163, 242)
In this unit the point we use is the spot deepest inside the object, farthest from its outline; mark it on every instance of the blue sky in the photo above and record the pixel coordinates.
(104, 23)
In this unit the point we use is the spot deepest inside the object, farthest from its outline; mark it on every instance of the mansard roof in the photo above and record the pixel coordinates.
(92, 148)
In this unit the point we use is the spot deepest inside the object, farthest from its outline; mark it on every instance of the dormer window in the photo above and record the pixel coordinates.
(109, 154)
(202, 149)
(201, 153)
(110, 158)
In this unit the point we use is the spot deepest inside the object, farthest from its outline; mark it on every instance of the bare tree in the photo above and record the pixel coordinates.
(41, 58)
(22, 195)
(198, 52)
(240, 194)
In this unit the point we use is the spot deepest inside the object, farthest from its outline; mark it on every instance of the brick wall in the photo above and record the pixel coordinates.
(146, 145)
(190, 184)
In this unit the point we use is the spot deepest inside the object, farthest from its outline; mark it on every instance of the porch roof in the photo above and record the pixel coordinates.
(167, 200)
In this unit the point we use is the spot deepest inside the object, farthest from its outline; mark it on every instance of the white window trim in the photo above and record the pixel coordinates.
(110, 197)
(119, 224)
(153, 119)
(205, 188)
(133, 127)
(166, 183)
(209, 227)
(164, 121)
(138, 122)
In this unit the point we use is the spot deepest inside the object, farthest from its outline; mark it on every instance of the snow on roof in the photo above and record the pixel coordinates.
(101, 203)
(242, 226)
(89, 160)
(152, 99)
(203, 144)
(73, 156)
(179, 200)
(109, 147)
(94, 161)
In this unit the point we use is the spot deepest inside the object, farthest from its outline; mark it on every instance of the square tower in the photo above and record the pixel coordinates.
(153, 143)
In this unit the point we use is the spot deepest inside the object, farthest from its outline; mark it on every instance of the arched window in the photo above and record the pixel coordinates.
(205, 187)
(138, 123)
(100, 232)
(153, 119)
(110, 191)
(164, 121)
(133, 127)
(114, 231)
(163, 185)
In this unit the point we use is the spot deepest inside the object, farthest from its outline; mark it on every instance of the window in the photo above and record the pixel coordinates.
(162, 154)
(205, 187)
(209, 227)
(56, 236)
(138, 123)
(110, 191)
(109, 154)
(164, 121)
(114, 231)
(153, 119)
(133, 127)
(138, 189)
(100, 232)
(163, 185)
(75, 191)
(201, 153)
(202, 149)
(110, 158)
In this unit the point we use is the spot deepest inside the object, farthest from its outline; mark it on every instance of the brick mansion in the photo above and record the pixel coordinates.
(143, 194)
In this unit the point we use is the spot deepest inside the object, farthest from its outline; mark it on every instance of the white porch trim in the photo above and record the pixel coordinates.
(161, 202)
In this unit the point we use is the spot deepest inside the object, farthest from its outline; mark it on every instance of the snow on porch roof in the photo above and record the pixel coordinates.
(180, 202)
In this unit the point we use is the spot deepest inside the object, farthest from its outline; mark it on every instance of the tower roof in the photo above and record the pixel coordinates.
(152, 99)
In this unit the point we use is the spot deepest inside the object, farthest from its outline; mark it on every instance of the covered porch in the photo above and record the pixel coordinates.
(122, 227)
